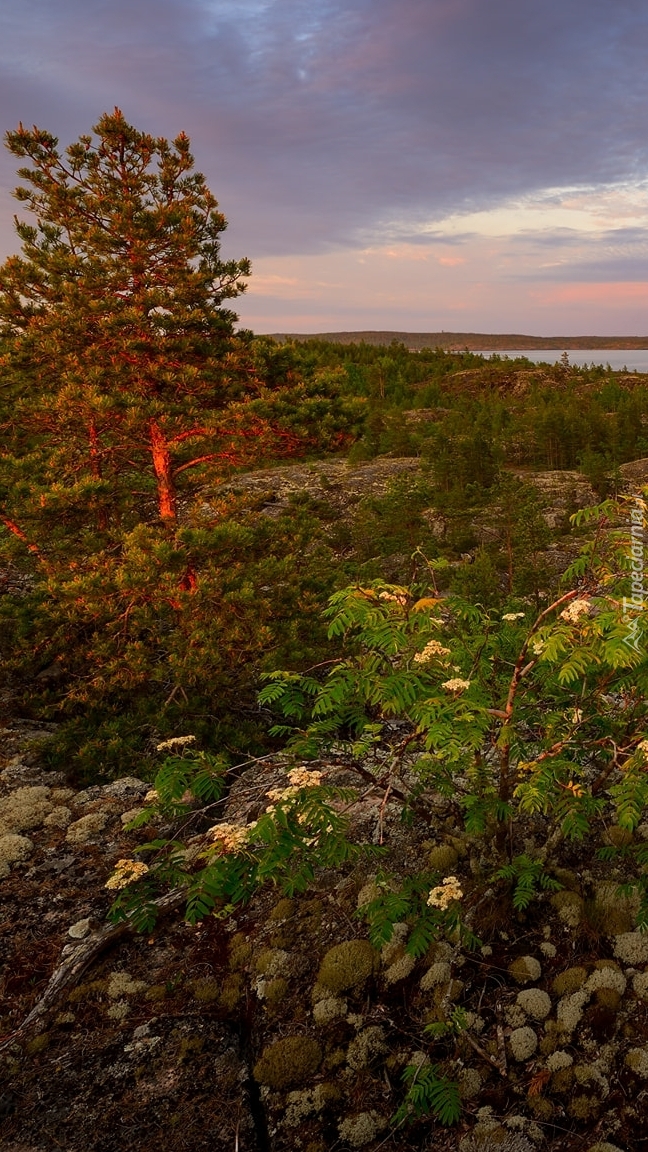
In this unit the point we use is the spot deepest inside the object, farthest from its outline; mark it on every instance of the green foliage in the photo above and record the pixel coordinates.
(428, 1093)
(527, 876)
(406, 901)
(432, 684)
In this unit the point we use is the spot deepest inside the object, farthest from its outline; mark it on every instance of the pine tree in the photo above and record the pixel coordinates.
(115, 329)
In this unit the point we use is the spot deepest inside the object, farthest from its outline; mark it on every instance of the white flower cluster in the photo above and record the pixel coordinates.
(230, 837)
(126, 872)
(643, 748)
(176, 742)
(152, 796)
(456, 685)
(402, 600)
(445, 893)
(432, 649)
(511, 617)
(574, 611)
(538, 647)
(278, 795)
(304, 778)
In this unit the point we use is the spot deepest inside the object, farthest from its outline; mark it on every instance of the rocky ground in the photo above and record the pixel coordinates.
(282, 1028)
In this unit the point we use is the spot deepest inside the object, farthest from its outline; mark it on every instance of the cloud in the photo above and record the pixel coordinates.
(342, 125)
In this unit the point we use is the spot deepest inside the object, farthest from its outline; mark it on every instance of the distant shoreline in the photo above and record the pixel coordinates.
(471, 341)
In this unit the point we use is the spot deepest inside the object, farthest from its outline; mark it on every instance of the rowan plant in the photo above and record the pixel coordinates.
(513, 715)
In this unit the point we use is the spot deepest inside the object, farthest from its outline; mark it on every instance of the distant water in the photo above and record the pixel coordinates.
(634, 359)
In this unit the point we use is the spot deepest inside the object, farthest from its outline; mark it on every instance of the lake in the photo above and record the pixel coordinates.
(634, 359)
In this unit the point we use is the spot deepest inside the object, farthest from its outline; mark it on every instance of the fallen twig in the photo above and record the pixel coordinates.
(74, 965)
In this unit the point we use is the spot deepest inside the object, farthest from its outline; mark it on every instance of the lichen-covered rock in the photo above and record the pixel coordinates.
(535, 1003)
(525, 969)
(289, 1061)
(523, 1043)
(362, 1128)
(347, 965)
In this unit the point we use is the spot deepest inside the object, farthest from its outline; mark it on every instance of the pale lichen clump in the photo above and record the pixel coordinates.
(523, 1043)
(83, 830)
(176, 742)
(361, 1129)
(570, 1010)
(324, 1011)
(59, 817)
(400, 969)
(437, 973)
(13, 850)
(24, 809)
(637, 1060)
(607, 978)
(122, 984)
(559, 1060)
(367, 1045)
(631, 947)
(535, 1003)
(640, 985)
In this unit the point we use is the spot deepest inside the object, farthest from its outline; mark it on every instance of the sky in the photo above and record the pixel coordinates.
(412, 165)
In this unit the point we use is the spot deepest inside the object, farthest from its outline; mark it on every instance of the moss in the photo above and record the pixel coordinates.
(92, 988)
(569, 907)
(231, 991)
(608, 998)
(38, 1044)
(334, 1059)
(525, 969)
(637, 1061)
(619, 837)
(289, 1061)
(562, 1080)
(541, 1108)
(609, 912)
(156, 992)
(190, 1046)
(443, 859)
(240, 951)
(569, 981)
(275, 991)
(347, 965)
(583, 1107)
(206, 990)
(282, 910)
(271, 962)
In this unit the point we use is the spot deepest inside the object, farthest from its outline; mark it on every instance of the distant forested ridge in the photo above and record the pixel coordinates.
(473, 341)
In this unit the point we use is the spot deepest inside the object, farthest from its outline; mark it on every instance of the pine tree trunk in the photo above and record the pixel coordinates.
(167, 504)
